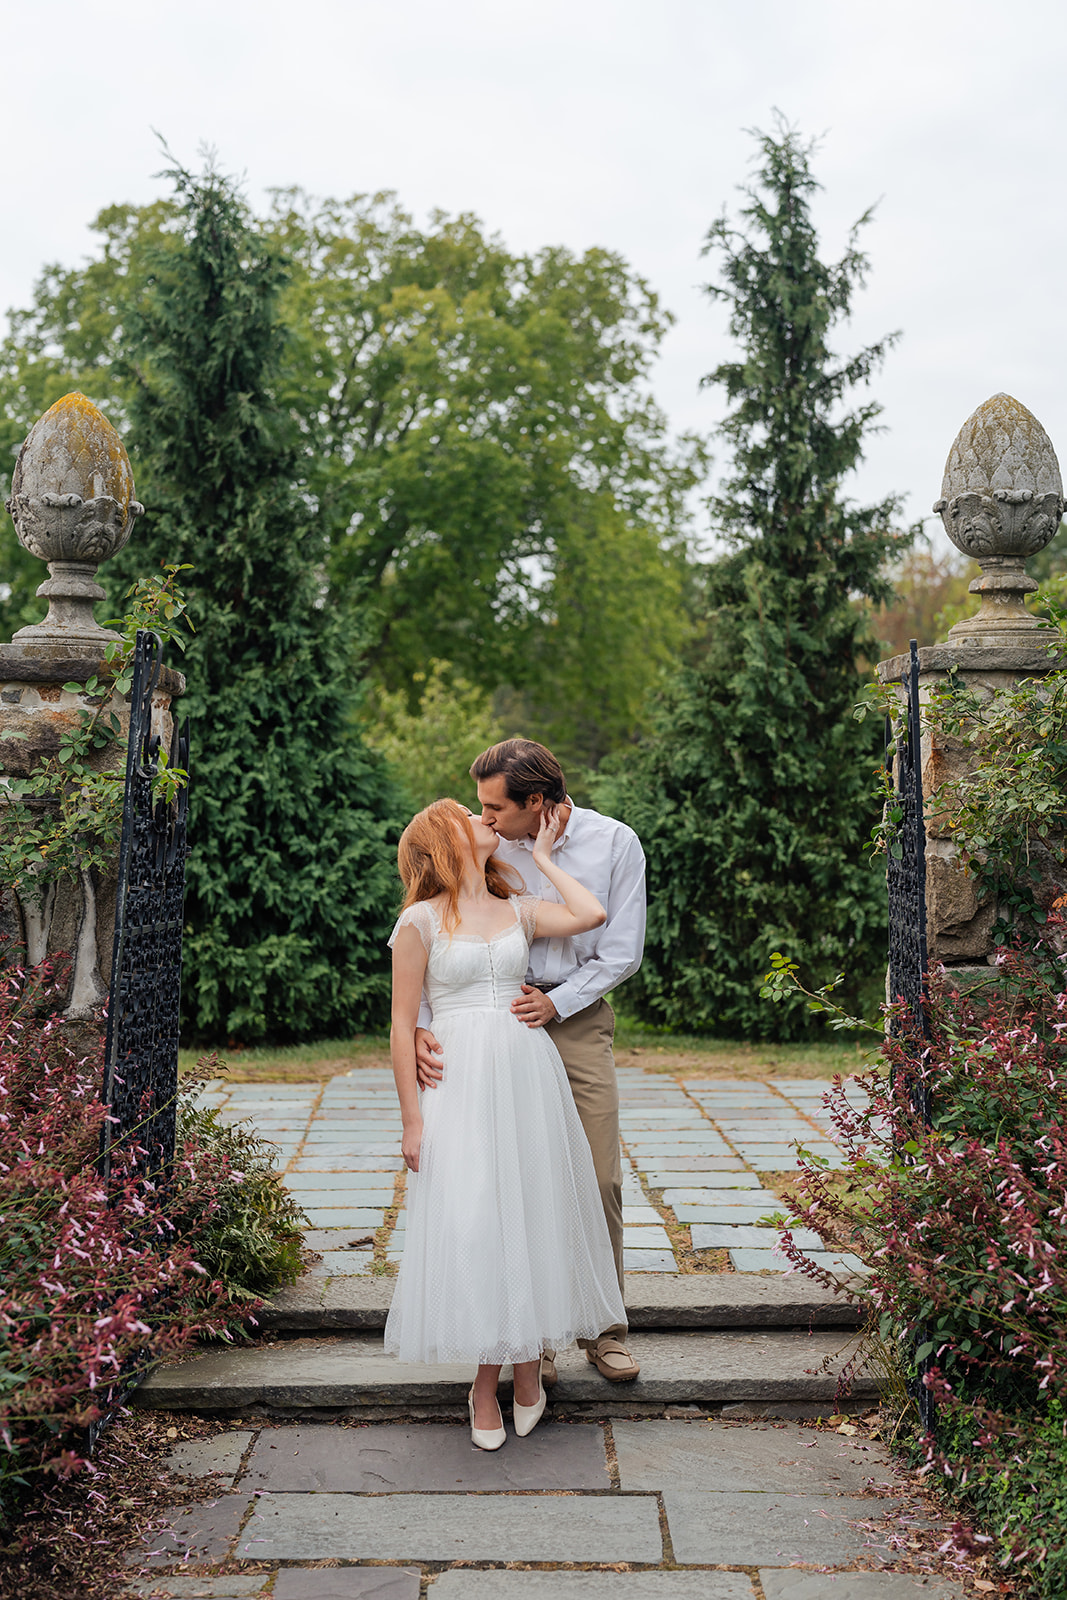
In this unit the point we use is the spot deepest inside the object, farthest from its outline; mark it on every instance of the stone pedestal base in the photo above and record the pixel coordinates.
(959, 925)
(72, 918)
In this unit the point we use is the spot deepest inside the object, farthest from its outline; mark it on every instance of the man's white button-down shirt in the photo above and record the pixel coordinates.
(606, 857)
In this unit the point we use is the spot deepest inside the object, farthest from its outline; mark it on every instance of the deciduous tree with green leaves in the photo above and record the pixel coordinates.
(293, 822)
(495, 484)
(753, 795)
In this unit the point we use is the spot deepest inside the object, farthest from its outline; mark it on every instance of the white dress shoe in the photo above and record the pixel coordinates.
(488, 1438)
(527, 1417)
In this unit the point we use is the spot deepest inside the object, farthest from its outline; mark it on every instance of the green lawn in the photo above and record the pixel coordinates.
(635, 1045)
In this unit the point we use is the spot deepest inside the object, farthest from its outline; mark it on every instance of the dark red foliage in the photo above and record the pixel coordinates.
(94, 1282)
(961, 1227)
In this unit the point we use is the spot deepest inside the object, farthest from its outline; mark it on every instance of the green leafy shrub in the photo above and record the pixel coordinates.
(1018, 1492)
(251, 1242)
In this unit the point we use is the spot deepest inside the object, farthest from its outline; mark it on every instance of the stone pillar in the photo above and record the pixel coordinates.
(72, 504)
(1001, 501)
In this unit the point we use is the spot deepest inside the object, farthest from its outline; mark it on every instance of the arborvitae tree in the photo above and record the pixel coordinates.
(292, 820)
(753, 796)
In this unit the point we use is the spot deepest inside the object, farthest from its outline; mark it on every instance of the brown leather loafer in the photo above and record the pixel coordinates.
(549, 1375)
(612, 1360)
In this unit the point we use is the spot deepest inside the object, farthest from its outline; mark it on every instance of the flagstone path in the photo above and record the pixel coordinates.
(330, 1452)
(692, 1158)
(620, 1510)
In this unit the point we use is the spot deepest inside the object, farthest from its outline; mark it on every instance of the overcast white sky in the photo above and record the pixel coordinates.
(605, 122)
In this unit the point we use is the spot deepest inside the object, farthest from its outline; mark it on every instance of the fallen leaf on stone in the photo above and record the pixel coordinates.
(848, 1429)
(172, 1433)
(985, 1585)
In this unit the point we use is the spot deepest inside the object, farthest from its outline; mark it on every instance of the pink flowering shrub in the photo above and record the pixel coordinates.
(963, 1229)
(95, 1283)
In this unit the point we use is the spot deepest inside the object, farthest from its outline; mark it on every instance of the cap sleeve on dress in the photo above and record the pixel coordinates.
(421, 917)
(526, 905)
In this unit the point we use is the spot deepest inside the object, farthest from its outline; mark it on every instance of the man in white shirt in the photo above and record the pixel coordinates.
(568, 978)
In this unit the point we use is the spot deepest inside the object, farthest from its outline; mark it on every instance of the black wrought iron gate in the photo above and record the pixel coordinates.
(906, 883)
(906, 870)
(141, 1058)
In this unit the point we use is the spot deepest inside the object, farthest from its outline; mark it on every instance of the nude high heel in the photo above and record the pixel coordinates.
(527, 1417)
(487, 1438)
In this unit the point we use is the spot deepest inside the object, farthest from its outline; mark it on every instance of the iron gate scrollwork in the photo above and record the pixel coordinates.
(141, 1057)
(906, 884)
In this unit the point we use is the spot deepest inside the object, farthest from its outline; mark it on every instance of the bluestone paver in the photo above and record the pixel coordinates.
(752, 1216)
(330, 1161)
(344, 1217)
(390, 1457)
(445, 1527)
(769, 1260)
(196, 1458)
(340, 1263)
(591, 1586)
(646, 1237)
(786, 1585)
(235, 1587)
(716, 1455)
(719, 1236)
(347, 1583)
(769, 1529)
(648, 1261)
(342, 1180)
(202, 1532)
(684, 1165)
(693, 1192)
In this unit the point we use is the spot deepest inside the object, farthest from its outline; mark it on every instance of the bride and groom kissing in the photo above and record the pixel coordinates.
(519, 918)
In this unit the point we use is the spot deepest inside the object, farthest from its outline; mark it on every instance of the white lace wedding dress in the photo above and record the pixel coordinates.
(507, 1249)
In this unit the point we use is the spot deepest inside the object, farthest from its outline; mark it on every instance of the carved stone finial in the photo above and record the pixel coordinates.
(72, 505)
(1001, 501)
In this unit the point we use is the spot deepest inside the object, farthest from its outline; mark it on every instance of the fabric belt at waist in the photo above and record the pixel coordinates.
(545, 987)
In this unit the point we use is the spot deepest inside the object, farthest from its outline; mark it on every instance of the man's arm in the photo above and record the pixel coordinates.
(620, 942)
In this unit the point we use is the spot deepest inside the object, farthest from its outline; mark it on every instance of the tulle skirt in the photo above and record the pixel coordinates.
(507, 1250)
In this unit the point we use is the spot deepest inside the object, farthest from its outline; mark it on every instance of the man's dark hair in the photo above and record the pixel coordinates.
(526, 767)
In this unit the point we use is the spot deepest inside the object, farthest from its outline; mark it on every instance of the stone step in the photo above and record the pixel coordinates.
(653, 1300)
(765, 1370)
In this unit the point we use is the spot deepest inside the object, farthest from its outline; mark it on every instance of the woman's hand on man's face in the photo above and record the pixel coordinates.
(548, 832)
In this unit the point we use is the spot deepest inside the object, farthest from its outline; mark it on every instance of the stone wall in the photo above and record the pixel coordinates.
(75, 917)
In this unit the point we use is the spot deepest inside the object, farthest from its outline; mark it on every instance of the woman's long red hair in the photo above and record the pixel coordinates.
(431, 861)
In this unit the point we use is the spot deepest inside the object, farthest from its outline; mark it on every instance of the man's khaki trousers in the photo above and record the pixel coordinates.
(584, 1041)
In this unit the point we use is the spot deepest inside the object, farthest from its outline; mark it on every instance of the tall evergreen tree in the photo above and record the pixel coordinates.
(293, 821)
(753, 794)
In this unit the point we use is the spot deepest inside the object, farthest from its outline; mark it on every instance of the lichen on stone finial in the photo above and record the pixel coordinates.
(1001, 501)
(72, 505)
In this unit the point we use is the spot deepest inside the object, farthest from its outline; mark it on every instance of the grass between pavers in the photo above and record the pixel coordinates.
(679, 1055)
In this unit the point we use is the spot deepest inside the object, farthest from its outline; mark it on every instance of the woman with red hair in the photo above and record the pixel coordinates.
(507, 1249)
